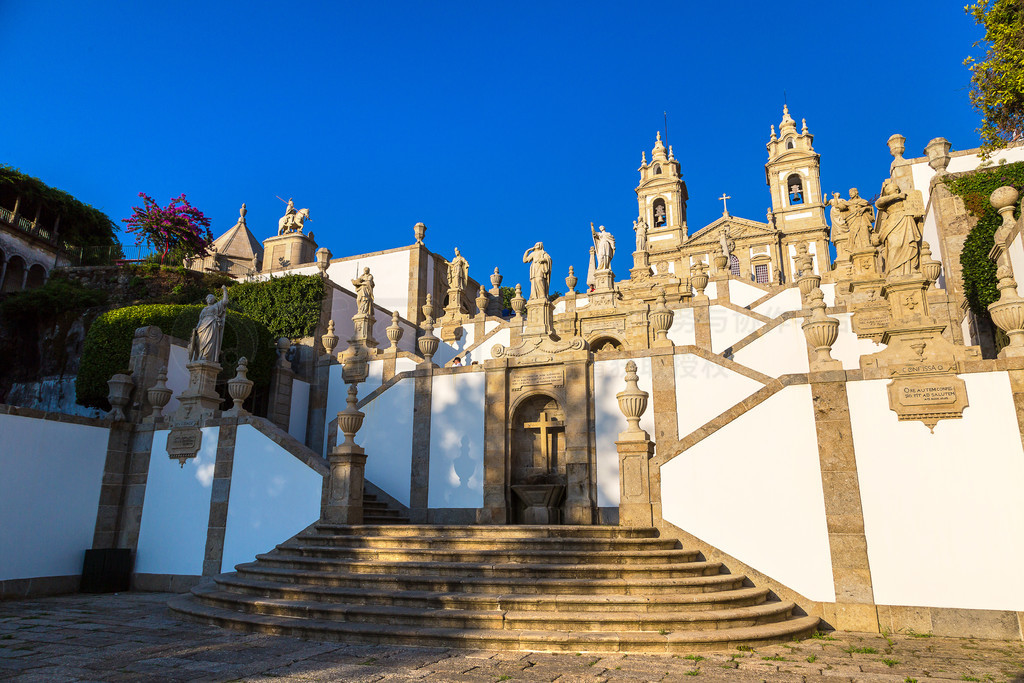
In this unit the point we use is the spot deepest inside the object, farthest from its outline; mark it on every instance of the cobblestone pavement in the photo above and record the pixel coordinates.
(133, 637)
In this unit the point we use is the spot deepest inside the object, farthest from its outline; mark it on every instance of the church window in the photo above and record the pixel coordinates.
(790, 144)
(795, 189)
(657, 169)
(660, 215)
(761, 273)
(734, 265)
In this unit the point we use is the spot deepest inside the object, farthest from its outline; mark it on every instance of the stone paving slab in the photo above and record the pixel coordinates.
(133, 637)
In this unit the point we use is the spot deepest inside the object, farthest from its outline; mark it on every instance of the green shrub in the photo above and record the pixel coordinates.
(289, 306)
(56, 296)
(108, 345)
(979, 272)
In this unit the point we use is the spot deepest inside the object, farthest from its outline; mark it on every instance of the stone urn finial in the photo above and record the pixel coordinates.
(897, 146)
(660, 318)
(930, 268)
(1004, 200)
(632, 400)
(420, 230)
(350, 419)
(937, 151)
(159, 395)
(427, 344)
(481, 301)
(329, 340)
(428, 307)
(1008, 312)
(821, 331)
(699, 277)
(283, 344)
(571, 281)
(518, 302)
(496, 278)
(120, 394)
(394, 332)
(239, 386)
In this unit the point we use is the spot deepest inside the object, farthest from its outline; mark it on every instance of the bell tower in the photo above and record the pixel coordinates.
(793, 174)
(661, 198)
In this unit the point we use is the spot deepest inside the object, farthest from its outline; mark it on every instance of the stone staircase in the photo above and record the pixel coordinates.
(377, 512)
(549, 588)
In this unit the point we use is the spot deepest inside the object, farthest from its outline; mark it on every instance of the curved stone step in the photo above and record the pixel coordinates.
(490, 531)
(455, 542)
(736, 597)
(497, 618)
(506, 569)
(496, 584)
(526, 556)
(505, 639)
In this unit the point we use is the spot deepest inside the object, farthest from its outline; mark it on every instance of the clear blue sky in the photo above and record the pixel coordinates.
(495, 124)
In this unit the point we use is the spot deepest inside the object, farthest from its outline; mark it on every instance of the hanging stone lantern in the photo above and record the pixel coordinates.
(159, 395)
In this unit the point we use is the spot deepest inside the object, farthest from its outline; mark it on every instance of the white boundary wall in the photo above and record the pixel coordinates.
(50, 478)
(609, 379)
(457, 441)
(386, 435)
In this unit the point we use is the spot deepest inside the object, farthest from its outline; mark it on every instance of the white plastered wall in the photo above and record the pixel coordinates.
(177, 376)
(50, 478)
(343, 307)
(386, 435)
(274, 495)
(337, 392)
(176, 509)
(742, 293)
(609, 379)
(729, 326)
(781, 350)
(705, 389)
(683, 332)
(848, 347)
(445, 351)
(787, 300)
(457, 441)
(752, 484)
(943, 512)
(483, 351)
(390, 278)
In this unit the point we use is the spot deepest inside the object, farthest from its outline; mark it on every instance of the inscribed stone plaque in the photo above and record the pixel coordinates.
(184, 442)
(928, 399)
(868, 322)
(533, 378)
(615, 324)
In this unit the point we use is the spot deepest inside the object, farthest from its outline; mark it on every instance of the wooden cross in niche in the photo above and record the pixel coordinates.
(547, 427)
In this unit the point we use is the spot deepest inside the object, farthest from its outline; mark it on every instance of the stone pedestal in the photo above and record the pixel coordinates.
(604, 280)
(641, 265)
(635, 454)
(200, 397)
(287, 251)
(539, 318)
(345, 496)
(542, 502)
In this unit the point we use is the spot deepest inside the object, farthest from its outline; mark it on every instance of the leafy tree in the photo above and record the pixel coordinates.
(179, 226)
(997, 82)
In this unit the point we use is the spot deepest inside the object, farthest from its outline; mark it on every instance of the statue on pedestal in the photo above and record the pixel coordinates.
(858, 216)
(292, 220)
(458, 272)
(209, 332)
(640, 226)
(898, 232)
(604, 243)
(364, 293)
(725, 243)
(540, 271)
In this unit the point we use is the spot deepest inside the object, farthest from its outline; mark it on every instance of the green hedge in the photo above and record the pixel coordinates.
(979, 272)
(53, 298)
(108, 345)
(289, 306)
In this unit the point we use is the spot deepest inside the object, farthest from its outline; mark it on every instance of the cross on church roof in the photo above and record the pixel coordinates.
(725, 209)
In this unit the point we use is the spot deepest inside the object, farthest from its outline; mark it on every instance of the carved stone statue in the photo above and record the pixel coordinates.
(292, 220)
(209, 332)
(723, 242)
(540, 270)
(898, 232)
(840, 228)
(458, 272)
(605, 245)
(859, 217)
(640, 226)
(364, 292)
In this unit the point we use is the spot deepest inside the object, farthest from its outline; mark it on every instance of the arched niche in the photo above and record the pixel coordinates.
(795, 189)
(15, 276)
(537, 471)
(36, 277)
(660, 212)
(606, 343)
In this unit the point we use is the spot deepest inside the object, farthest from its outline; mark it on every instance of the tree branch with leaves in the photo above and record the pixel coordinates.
(997, 81)
(179, 225)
